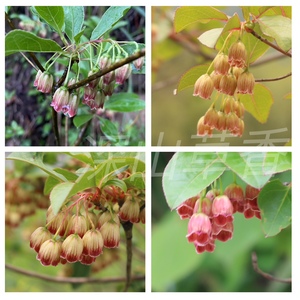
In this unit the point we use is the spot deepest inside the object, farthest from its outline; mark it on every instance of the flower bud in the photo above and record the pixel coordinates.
(199, 229)
(89, 94)
(245, 83)
(130, 211)
(138, 63)
(45, 82)
(36, 80)
(211, 118)
(203, 129)
(204, 87)
(212, 194)
(222, 210)
(72, 248)
(38, 237)
(49, 253)
(237, 55)
(109, 77)
(72, 107)
(235, 194)
(228, 84)
(123, 72)
(105, 61)
(185, 210)
(93, 84)
(111, 234)
(216, 78)
(221, 65)
(78, 225)
(92, 243)
(60, 98)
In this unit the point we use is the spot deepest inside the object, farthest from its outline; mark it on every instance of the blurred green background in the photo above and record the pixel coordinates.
(174, 118)
(176, 267)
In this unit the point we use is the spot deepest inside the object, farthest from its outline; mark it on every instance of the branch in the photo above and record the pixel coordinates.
(82, 132)
(32, 55)
(266, 275)
(127, 226)
(69, 279)
(113, 67)
(268, 43)
(274, 79)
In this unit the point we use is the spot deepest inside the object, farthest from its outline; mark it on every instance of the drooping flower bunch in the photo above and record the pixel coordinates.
(95, 92)
(211, 215)
(230, 77)
(86, 224)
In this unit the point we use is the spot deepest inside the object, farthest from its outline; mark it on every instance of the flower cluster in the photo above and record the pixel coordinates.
(230, 77)
(211, 216)
(86, 225)
(95, 93)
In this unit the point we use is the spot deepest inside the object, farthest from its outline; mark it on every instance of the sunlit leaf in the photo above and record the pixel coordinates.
(187, 174)
(248, 166)
(275, 200)
(258, 104)
(187, 15)
(59, 194)
(279, 28)
(189, 78)
(276, 162)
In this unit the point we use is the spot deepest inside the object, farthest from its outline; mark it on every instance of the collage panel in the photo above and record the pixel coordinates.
(221, 221)
(75, 76)
(75, 222)
(221, 76)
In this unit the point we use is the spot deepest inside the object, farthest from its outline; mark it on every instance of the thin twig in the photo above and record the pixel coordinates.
(266, 275)
(113, 67)
(70, 279)
(55, 127)
(269, 43)
(274, 79)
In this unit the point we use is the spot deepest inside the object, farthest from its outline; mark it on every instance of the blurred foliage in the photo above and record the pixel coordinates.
(111, 264)
(174, 118)
(28, 118)
(176, 267)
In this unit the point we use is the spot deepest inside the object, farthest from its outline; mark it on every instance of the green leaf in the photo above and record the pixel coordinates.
(274, 201)
(109, 129)
(23, 41)
(53, 15)
(233, 26)
(248, 166)
(276, 162)
(74, 18)
(187, 174)
(59, 194)
(189, 78)
(108, 20)
(82, 119)
(255, 48)
(78, 36)
(36, 159)
(187, 15)
(210, 37)
(50, 183)
(84, 157)
(67, 174)
(125, 102)
(258, 104)
(136, 180)
(279, 28)
(131, 48)
(116, 182)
